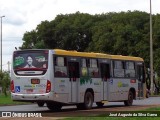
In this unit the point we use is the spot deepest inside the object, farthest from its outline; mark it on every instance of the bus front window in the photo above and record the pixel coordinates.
(30, 62)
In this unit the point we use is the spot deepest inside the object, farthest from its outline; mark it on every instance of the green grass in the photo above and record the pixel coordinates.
(113, 118)
(153, 109)
(6, 100)
(104, 117)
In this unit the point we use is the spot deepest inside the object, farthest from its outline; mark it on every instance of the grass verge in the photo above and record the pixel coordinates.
(6, 100)
(149, 111)
(113, 118)
(153, 109)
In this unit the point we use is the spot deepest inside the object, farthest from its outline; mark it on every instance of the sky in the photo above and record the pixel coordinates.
(25, 15)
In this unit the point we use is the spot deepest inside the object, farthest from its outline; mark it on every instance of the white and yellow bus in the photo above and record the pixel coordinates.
(59, 77)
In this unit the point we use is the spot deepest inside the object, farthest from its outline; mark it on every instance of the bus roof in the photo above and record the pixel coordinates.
(126, 57)
(95, 55)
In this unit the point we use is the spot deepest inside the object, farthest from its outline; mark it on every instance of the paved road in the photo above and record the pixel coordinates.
(34, 107)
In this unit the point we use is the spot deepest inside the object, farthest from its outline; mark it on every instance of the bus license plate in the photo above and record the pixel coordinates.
(29, 91)
(35, 81)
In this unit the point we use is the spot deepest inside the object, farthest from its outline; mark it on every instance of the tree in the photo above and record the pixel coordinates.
(70, 32)
(123, 33)
(4, 82)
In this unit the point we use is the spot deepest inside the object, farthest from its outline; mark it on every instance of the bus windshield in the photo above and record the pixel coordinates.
(30, 62)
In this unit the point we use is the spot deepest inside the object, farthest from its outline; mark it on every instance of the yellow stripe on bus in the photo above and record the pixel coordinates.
(95, 55)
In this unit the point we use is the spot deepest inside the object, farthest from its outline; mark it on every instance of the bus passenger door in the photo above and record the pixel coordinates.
(105, 74)
(141, 81)
(73, 68)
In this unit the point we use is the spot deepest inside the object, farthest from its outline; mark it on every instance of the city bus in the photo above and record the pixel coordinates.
(60, 77)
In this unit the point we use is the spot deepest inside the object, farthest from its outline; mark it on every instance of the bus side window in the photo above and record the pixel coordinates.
(93, 68)
(118, 68)
(60, 67)
(84, 70)
(130, 69)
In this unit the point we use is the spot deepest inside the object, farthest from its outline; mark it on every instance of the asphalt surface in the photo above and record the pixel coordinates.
(69, 111)
(34, 107)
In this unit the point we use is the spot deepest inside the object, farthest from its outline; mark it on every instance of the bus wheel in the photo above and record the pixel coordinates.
(129, 102)
(88, 100)
(53, 106)
(99, 104)
(40, 104)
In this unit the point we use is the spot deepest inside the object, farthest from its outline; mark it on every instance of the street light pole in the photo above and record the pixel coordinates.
(151, 50)
(1, 40)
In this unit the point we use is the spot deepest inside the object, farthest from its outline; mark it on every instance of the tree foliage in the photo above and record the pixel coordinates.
(124, 33)
(4, 82)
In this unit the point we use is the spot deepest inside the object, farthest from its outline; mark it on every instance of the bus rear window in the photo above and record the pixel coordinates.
(30, 62)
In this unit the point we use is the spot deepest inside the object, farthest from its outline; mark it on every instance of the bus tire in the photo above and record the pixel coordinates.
(99, 104)
(129, 102)
(54, 107)
(88, 100)
(40, 104)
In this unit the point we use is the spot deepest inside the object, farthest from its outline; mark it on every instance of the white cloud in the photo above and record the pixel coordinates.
(25, 15)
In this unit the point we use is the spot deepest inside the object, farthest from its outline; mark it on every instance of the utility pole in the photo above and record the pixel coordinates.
(151, 50)
(1, 41)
